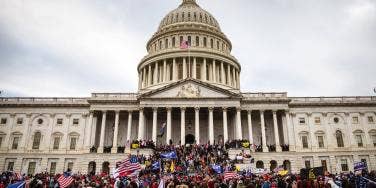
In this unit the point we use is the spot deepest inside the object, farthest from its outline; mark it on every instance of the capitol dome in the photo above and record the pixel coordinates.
(189, 11)
(205, 55)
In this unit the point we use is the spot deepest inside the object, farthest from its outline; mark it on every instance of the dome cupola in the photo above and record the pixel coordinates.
(189, 44)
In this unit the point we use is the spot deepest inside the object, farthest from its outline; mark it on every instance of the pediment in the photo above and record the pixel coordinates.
(190, 89)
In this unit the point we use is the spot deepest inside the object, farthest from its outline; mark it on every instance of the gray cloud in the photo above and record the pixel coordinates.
(72, 48)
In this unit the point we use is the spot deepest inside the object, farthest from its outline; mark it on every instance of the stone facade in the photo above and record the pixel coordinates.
(196, 93)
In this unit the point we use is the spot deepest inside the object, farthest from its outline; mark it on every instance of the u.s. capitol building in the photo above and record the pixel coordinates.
(196, 93)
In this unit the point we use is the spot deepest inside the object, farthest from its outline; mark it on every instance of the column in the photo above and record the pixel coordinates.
(164, 70)
(225, 127)
(8, 136)
(144, 82)
(129, 128)
(155, 73)
(88, 131)
(312, 137)
(197, 124)
(155, 119)
(116, 132)
(103, 128)
(238, 124)
(150, 76)
(194, 68)
(141, 125)
(184, 68)
(223, 78)
(264, 147)
(211, 126)
(168, 137)
(237, 80)
(250, 132)
(233, 77)
(213, 72)
(276, 132)
(228, 74)
(203, 69)
(174, 70)
(291, 133)
(182, 126)
(25, 133)
(348, 136)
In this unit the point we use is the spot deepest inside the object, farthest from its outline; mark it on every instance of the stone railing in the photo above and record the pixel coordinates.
(351, 99)
(114, 96)
(265, 95)
(42, 100)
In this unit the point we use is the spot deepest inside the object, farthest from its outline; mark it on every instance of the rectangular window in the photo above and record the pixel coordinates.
(70, 166)
(76, 121)
(324, 165)
(317, 120)
(73, 141)
(1, 141)
(305, 141)
(359, 140)
(307, 163)
(53, 168)
(3, 121)
(373, 137)
(344, 166)
(56, 143)
(320, 140)
(19, 121)
(15, 142)
(355, 120)
(364, 161)
(301, 121)
(31, 168)
(370, 119)
(10, 166)
(59, 121)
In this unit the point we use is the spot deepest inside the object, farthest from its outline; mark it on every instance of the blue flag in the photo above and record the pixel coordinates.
(19, 184)
(217, 168)
(162, 130)
(134, 159)
(169, 155)
(155, 166)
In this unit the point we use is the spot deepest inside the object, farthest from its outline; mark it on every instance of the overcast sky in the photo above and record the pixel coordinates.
(75, 47)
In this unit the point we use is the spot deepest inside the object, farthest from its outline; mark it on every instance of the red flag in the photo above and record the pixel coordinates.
(127, 168)
(184, 44)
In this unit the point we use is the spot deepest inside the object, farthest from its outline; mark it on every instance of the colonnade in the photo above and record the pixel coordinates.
(204, 69)
(168, 126)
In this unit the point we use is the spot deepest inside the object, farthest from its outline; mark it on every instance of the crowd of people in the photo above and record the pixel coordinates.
(195, 166)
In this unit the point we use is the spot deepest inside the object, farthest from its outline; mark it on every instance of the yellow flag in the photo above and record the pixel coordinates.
(237, 168)
(283, 172)
(172, 168)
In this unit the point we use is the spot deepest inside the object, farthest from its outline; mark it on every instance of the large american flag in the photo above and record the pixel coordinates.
(127, 168)
(65, 180)
(230, 175)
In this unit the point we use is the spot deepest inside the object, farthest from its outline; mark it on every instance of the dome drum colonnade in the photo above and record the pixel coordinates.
(207, 59)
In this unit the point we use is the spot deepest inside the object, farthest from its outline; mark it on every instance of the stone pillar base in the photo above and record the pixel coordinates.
(100, 150)
(278, 149)
(113, 150)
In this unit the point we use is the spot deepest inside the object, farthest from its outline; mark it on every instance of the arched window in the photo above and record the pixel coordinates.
(194, 16)
(259, 164)
(189, 41)
(166, 44)
(205, 42)
(217, 45)
(211, 43)
(197, 41)
(173, 41)
(160, 44)
(339, 138)
(36, 140)
(181, 40)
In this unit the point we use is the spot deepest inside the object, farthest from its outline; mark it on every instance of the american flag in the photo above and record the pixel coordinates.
(65, 180)
(184, 44)
(127, 168)
(230, 175)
